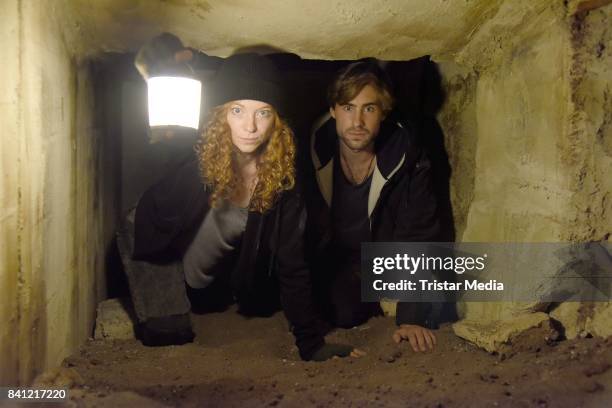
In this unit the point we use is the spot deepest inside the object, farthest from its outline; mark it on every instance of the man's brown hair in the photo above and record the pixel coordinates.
(353, 78)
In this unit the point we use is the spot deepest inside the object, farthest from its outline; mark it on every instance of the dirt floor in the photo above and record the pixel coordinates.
(237, 362)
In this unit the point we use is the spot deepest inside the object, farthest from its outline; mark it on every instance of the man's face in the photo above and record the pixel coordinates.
(358, 121)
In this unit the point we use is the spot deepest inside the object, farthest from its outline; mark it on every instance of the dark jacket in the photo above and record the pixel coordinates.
(169, 214)
(401, 202)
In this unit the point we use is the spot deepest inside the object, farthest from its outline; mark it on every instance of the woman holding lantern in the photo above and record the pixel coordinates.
(231, 213)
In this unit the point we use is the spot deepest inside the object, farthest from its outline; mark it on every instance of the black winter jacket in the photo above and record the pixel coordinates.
(401, 202)
(169, 214)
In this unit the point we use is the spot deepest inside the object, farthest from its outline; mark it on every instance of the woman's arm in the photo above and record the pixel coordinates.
(167, 213)
(294, 275)
(295, 284)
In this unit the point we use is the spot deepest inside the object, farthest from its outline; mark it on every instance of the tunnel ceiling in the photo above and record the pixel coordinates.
(323, 29)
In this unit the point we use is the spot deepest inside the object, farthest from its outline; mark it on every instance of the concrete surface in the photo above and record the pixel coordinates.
(494, 335)
(51, 268)
(114, 320)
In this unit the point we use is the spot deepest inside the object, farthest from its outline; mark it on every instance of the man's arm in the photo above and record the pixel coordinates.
(418, 215)
(420, 338)
(418, 223)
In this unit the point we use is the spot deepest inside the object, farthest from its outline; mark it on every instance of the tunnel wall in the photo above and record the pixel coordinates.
(504, 119)
(527, 126)
(521, 185)
(589, 138)
(51, 234)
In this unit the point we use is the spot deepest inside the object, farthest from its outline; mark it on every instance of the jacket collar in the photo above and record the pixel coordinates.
(394, 150)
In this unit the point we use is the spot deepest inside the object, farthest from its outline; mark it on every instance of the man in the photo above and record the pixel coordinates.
(372, 184)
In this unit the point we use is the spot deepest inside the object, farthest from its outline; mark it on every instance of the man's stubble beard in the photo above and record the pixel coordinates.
(359, 145)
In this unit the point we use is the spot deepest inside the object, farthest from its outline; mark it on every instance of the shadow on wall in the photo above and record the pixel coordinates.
(417, 85)
(420, 97)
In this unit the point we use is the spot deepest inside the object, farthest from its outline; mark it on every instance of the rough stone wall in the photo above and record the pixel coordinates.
(9, 193)
(540, 112)
(521, 191)
(318, 29)
(589, 144)
(589, 151)
(51, 269)
(542, 123)
(502, 114)
(458, 120)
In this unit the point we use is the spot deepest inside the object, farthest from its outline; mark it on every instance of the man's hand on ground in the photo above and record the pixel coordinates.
(420, 338)
(331, 350)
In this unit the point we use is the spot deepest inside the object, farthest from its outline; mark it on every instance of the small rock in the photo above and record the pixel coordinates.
(593, 386)
(113, 321)
(596, 368)
(488, 378)
(58, 377)
(70, 362)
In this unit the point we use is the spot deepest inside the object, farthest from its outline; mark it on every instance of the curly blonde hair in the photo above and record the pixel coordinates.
(216, 157)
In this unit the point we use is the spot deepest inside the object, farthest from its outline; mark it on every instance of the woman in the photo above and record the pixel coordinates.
(232, 209)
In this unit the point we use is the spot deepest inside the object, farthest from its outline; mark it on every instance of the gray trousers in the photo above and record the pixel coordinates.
(157, 290)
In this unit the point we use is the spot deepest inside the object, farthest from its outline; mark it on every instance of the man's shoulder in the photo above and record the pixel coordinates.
(401, 129)
(323, 140)
(320, 123)
(395, 143)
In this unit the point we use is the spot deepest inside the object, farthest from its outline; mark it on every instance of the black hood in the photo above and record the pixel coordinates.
(394, 142)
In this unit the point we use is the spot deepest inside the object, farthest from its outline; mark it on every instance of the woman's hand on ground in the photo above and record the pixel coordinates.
(331, 350)
(420, 338)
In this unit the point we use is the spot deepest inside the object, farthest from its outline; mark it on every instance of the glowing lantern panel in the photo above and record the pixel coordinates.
(174, 101)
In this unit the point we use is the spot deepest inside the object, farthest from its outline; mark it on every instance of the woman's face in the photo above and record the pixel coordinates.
(251, 124)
